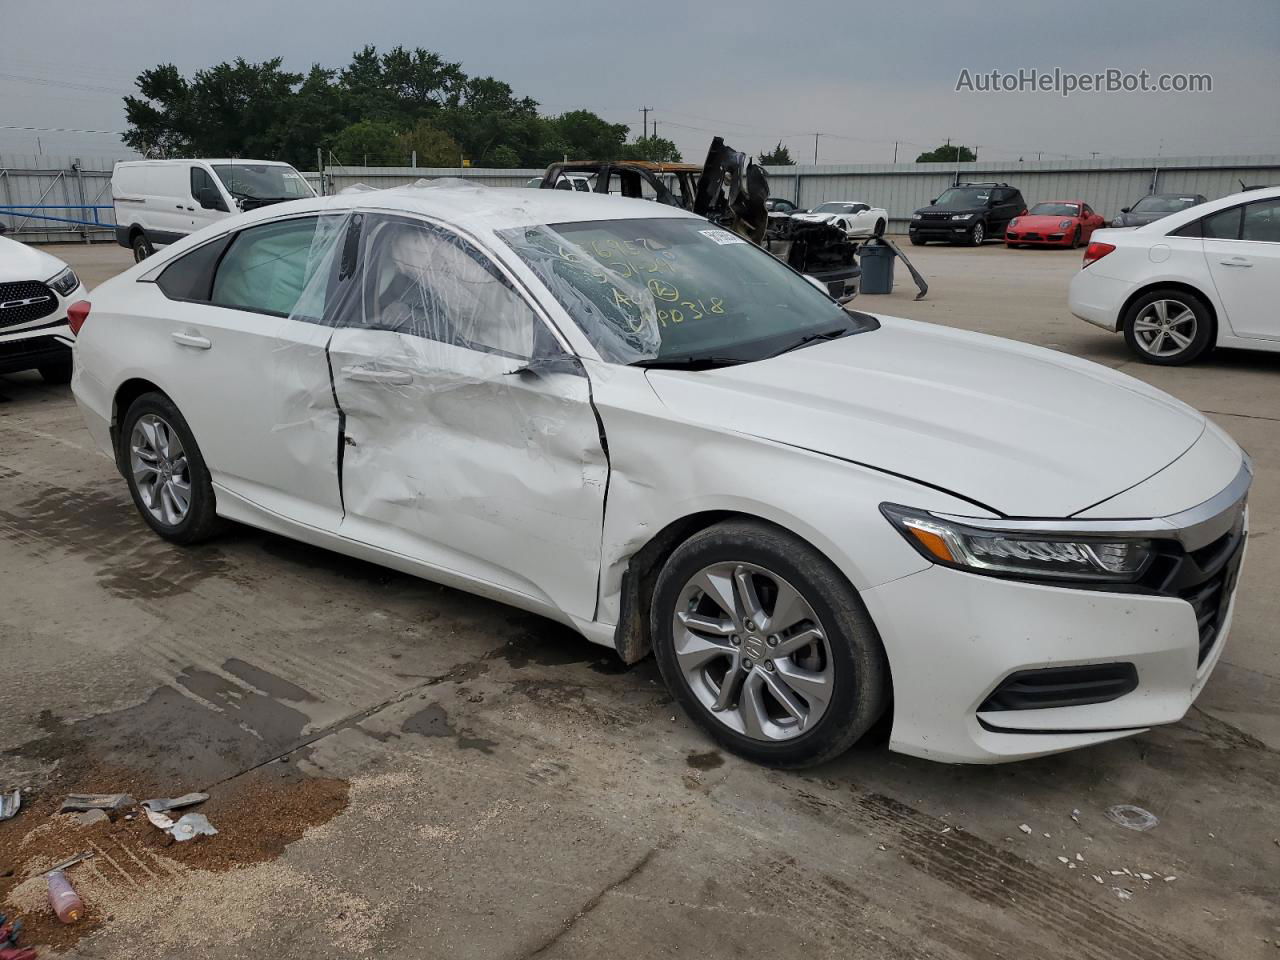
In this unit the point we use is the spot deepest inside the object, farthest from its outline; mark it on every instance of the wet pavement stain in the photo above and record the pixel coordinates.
(268, 682)
(271, 721)
(707, 760)
(105, 529)
(433, 721)
(546, 644)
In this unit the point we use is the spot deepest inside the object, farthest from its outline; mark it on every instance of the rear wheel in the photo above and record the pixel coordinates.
(142, 247)
(1168, 327)
(918, 241)
(766, 645)
(879, 230)
(166, 473)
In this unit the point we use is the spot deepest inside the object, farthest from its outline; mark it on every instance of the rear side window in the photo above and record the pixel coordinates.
(1261, 221)
(1223, 225)
(190, 277)
(267, 268)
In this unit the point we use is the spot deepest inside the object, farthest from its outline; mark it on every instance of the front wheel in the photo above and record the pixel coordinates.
(766, 645)
(918, 241)
(166, 472)
(978, 235)
(1075, 238)
(1168, 327)
(879, 228)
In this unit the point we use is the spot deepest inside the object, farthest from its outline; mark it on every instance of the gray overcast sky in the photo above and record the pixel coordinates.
(865, 74)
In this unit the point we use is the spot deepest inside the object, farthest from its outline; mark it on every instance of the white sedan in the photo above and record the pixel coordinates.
(36, 288)
(856, 219)
(1205, 276)
(633, 422)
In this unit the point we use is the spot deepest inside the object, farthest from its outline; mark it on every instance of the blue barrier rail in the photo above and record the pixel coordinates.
(23, 210)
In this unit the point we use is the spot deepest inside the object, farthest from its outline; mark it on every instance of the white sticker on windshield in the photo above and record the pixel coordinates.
(722, 237)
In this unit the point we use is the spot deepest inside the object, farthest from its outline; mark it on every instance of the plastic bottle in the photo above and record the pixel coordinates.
(63, 898)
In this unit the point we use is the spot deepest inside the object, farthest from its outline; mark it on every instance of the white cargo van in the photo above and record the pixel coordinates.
(160, 201)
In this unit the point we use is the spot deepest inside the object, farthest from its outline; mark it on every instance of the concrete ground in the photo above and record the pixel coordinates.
(513, 793)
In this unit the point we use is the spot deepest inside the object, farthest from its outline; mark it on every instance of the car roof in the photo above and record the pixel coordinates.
(1173, 221)
(478, 208)
(246, 161)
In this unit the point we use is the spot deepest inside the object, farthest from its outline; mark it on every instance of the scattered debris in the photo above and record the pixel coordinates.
(1080, 857)
(1122, 893)
(71, 862)
(192, 825)
(1064, 859)
(1145, 876)
(10, 803)
(79, 802)
(159, 820)
(1170, 879)
(1024, 828)
(63, 898)
(1131, 817)
(161, 804)
(1099, 878)
(1048, 836)
(1075, 815)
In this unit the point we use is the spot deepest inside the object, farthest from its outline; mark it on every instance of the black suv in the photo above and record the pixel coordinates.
(969, 213)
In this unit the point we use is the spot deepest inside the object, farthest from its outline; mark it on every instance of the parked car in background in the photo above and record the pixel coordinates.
(36, 288)
(1154, 206)
(1202, 277)
(781, 205)
(855, 218)
(160, 201)
(1055, 223)
(1021, 551)
(967, 213)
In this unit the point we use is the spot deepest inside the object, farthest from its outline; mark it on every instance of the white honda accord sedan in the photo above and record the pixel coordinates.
(626, 419)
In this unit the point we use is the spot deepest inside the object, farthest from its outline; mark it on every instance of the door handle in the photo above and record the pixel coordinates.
(368, 375)
(192, 340)
(1236, 262)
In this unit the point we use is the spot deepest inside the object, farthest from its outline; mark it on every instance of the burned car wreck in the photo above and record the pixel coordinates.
(731, 191)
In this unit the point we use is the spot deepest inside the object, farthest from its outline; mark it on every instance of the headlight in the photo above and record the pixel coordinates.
(962, 216)
(1118, 222)
(1064, 224)
(1013, 223)
(65, 282)
(917, 216)
(1030, 555)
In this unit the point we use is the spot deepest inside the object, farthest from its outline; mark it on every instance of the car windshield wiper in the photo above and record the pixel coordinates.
(690, 362)
(809, 338)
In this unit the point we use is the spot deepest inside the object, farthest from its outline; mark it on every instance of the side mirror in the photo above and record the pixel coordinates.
(1124, 209)
(545, 366)
(210, 199)
(933, 201)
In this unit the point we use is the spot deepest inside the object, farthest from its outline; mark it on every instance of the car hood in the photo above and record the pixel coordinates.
(952, 210)
(817, 217)
(1022, 430)
(1041, 222)
(21, 262)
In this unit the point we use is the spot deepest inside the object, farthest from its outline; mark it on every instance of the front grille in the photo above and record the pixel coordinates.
(935, 216)
(25, 300)
(1211, 596)
(1063, 687)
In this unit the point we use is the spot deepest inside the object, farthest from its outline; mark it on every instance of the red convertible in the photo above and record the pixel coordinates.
(1054, 223)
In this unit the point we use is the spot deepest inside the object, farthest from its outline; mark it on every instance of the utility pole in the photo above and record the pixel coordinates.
(895, 151)
(644, 125)
(1093, 154)
(320, 171)
(815, 148)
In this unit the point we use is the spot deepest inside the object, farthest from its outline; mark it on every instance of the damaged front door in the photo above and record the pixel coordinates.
(471, 442)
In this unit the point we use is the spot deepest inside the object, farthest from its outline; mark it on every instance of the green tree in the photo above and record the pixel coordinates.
(374, 142)
(657, 149)
(779, 156)
(948, 153)
(159, 119)
(434, 147)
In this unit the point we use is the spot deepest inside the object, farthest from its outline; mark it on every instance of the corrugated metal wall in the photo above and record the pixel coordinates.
(55, 181)
(900, 188)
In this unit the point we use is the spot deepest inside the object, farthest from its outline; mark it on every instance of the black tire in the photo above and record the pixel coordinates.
(860, 672)
(58, 372)
(879, 229)
(1013, 246)
(142, 247)
(977, 235)
(201, 521)
(1075, 239)
(918, 241)
(1201, 338)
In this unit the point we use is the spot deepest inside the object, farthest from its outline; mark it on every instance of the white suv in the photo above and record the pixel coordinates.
(36, 289)
(1203, 277)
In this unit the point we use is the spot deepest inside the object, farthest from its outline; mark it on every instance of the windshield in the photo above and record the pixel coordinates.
(677, 290)
(963, 198)
(1155, 204)
(1055, 210)
(833, 208)
(262, 181)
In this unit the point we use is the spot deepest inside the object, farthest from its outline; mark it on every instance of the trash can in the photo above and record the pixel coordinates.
(877, 267)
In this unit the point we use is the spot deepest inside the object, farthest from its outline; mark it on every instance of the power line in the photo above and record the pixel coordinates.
(8, 126)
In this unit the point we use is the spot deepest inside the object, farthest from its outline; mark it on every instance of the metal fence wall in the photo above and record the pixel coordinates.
(900, 188)
(77, 182)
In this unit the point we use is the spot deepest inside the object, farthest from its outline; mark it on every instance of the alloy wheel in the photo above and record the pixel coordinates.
(1165, 328)
(979, 234)
(160, 469)
(752, 651)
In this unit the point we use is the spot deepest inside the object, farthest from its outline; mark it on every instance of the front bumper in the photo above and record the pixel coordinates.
(954, 638)
(1057, 238)
(941, 229)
